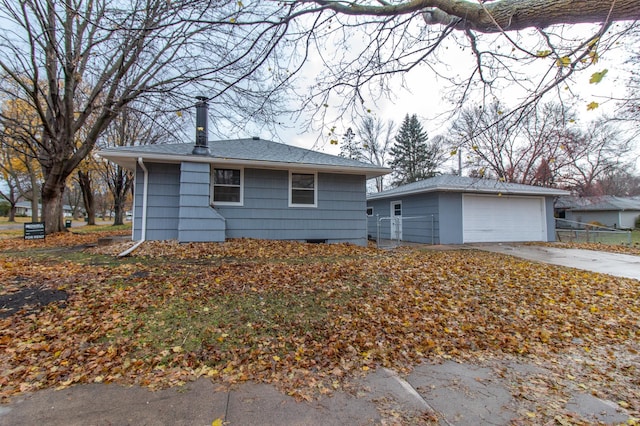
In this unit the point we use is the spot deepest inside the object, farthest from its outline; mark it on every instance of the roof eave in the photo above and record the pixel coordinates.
(128, 161)
(466, 190)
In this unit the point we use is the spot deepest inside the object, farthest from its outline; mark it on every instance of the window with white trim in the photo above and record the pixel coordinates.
(227, 188)
(369, 211)
(303, 189)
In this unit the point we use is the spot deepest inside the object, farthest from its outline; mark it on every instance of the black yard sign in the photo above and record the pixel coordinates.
(33, 230)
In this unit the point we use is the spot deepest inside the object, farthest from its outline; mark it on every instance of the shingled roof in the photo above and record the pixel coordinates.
(599, 203)
(452, 183)
(250, 152)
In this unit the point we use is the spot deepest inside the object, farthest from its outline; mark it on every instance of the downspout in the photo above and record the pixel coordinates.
(143, 230)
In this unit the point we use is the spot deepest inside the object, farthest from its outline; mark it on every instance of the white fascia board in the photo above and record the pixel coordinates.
(128, 160)
(375, 196)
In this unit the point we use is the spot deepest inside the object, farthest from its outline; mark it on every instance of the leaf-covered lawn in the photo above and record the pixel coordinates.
(306, 317)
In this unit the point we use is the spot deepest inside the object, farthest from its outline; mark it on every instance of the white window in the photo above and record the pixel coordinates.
(303, 189)
(228, 188)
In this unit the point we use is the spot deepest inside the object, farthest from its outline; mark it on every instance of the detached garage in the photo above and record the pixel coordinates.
(454, 210)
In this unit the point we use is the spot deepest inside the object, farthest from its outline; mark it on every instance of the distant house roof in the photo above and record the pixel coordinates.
(600, 203)
(27, 205)
(452, 183)
(252, 152)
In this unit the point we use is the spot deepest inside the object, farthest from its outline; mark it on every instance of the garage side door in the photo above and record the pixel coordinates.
(503, 219)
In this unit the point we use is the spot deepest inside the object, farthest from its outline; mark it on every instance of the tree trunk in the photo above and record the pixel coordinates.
(118, 210)
(35, 202)
(87, 195)
(35, 207)
(52, 204)
(493, 17)
(121, 186)
(12, 202)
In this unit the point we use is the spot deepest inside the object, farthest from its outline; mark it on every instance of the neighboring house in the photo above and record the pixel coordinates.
(454, 210)
(23, 208)
(607, 210)
(245, 188)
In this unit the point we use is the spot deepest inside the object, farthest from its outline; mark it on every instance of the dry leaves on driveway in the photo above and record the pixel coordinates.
(307, 317)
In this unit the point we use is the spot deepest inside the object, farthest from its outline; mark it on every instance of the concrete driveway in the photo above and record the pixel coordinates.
(620, 265)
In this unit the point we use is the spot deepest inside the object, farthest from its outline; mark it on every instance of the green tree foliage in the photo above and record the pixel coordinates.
(5, 208)
(414, 158)
(351, 146)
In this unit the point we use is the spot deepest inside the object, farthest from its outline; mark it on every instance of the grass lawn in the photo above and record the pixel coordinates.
(603, 237)
(19, 219)
(615, 243)
(306, 317)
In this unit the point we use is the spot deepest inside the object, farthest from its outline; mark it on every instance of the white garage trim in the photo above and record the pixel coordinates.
(490, 218)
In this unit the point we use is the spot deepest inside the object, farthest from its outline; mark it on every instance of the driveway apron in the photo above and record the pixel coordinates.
(616, 264)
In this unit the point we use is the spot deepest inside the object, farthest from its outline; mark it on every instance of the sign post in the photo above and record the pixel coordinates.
(34, 230)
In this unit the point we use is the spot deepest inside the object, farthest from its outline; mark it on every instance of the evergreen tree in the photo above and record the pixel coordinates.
(414, 158)
(351, 148)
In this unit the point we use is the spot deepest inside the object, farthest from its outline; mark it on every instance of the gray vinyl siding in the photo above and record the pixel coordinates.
(339, 217)
(446, 210)
(420, 219)
(179, 207)
(612, 219)
(628, 219)
(450, 212)
(550, 218)
(432, 218)
(198, 221)
(162, 202)
(380, 210)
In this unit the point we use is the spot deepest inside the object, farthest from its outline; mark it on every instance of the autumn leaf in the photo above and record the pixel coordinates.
(597, 77)
(306, 317)
(592, 105)
(564, 61)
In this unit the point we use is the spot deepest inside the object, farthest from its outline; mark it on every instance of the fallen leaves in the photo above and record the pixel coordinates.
(308, 316)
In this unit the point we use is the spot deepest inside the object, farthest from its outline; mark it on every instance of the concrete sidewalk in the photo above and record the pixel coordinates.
(448, 394)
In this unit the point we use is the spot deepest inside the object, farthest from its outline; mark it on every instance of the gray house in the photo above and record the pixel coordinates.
(608, 210)
(454, 210)
(249, 188)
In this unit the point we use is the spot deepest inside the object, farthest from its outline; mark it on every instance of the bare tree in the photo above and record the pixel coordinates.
(621, 183)
(491, 149)
(596, 153)
(629, 106)
(543, 147)
(134, 126)
(533, 47)
(377, 139)
(528, 149)
(78, 64)
(371, 143)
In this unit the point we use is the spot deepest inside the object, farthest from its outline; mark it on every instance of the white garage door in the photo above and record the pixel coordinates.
(506, 218)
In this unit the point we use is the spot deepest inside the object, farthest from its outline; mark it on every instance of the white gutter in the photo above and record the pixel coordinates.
(145, 186)
(542, 192)
(124, 159)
